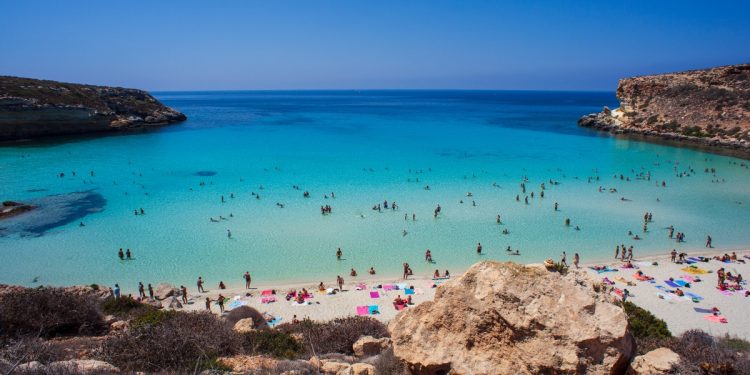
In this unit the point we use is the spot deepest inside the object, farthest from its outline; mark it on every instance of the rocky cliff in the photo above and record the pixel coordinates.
(31, 108)
(706, 107)
(506, 318)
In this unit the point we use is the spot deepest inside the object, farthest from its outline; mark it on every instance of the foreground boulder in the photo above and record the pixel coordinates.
(368, 346)
(657, 361)
(505, 318)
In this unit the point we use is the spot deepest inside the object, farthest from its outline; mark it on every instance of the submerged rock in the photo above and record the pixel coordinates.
(505, 318)
(51, 212)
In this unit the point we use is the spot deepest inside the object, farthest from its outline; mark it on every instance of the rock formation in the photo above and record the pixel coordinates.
(10, 208)
(657, 361)
(708, 107)
(505, 318)
(31, 108)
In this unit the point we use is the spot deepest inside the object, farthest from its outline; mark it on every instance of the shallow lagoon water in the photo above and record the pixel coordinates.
(366, 147)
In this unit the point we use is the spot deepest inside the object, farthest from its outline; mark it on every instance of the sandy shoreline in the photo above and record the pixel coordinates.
(679, 314)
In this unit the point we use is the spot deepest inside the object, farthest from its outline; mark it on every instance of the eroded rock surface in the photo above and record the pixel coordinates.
(505, 318)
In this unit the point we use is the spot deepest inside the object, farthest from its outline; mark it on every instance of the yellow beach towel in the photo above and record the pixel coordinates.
(695, 271)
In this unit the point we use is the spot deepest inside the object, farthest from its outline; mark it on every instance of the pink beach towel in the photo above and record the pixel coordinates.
(715, 318)
(362, 310)
(388, 287)
(374, 294)
(268, 299)
(266, 292)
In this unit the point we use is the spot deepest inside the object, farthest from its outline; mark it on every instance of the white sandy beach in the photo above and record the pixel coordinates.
(679, 313)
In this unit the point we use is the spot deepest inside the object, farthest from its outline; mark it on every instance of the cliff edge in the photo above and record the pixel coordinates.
(709, 107)
(31, 108)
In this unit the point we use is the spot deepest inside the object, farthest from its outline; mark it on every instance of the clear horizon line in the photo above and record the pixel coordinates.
(378, 89)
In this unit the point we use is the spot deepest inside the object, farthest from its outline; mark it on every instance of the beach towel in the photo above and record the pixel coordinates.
(408, 291)
(373, 309)
(605, 269)
(362, 310)
(236, 303)
(300, 304)
(727, 292)
(401, 286)
(276, 320)
(266, 292)
(695, 270)
(642, 277)
(694, 296)
(374, 294)
(661, 287)
(418, 291)
(688, 278)
(360, 287)
(400, 307)
(608, 281)
(268, 299)
(671, 283)
(618, 292)
(682, 283)
(645, 264)
(715, 318)
(703, 310)
(387, 287)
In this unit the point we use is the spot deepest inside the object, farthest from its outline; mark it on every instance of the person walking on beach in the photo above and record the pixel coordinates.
(340, 282)
(150, 291)
(674, 255)
(184, 294)
(121, 254)
(141, 290)
(630, 252)
(247, 278)
(220, 301)
(563, 260)
(339, 253)
(200, 285)
(708, 241)
(576, 259)
(208, 304)
(406, 271)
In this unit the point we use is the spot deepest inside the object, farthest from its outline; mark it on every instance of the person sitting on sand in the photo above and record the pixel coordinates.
(447, 274)
(733, 257)
(300, 299)
(628, 265)
(321, 287)
(436, 275)
(679, 292)
(408, 300)
(398, 301)
(372, 270)
(353, 273)
(221, 285)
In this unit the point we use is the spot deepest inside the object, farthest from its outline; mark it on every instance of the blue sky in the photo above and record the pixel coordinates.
(185, 45)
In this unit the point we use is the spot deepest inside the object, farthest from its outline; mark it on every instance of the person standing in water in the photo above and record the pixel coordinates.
(128, 254)
(121, 254)
(248, 279)
(479, 248)
(708, 241)
(340, 282)
(339, 253)
(229, 233)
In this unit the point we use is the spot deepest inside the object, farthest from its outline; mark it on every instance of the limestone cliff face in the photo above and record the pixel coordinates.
(31, 108)
(709, 107)
(506, 318)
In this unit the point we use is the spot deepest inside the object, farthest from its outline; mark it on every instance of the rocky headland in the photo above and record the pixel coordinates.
(32, 108)
(709, 107)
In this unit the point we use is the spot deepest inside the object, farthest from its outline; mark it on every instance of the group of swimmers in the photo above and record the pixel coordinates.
(125, 255)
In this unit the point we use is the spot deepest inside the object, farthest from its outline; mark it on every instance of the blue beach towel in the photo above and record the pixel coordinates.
(671, 283)
(275, 321)
(703, 310)
(682, 283)
(373, 309)
(408, 291)
(693, 295)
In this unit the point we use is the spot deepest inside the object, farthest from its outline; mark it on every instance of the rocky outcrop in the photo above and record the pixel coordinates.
(708, 107)
(505, 318)
(31, 108)
(10, 208)
(657, 361)
(83, 366)
(367, 346)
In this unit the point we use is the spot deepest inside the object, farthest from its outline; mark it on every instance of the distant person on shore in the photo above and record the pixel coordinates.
(428, 256)
(673, 254)
(447, 274)
(150, 291)
(116, 291)
(184, 294)
(141, 290)
(208, 304)
(563, 259)
(248, 279)
(340, 282)
(708, 241)
(121, 254)
(406, 271)
(576, 259)
(436, 275)
(353, 273)
(200, 285)
(339, 253)
(372, 270)
(220, 301)
(617, 251)
(479, 248)
(221, 285)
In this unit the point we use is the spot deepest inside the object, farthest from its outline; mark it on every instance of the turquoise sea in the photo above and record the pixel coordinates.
(366, 147)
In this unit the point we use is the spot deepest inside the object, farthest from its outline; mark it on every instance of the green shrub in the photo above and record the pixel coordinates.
(644, 324)
(121, 306)
(735, 343)
(152, 317)
(272, 342)
(335, 336)
(49, 312)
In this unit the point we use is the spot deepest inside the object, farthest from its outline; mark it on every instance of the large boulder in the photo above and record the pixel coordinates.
(244, 325)
(164, 291)
(363, 369)
(505, 318)
(83, 366)
(657, 361)
(367, 346)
